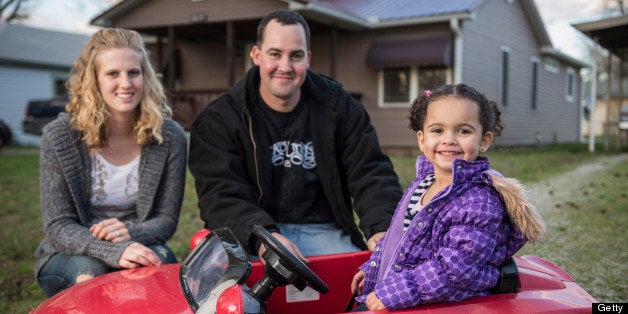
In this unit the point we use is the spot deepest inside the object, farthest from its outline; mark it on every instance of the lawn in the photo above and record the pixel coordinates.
(583, 243)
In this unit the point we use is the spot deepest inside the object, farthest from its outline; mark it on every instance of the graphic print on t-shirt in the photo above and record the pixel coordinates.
(293, 154)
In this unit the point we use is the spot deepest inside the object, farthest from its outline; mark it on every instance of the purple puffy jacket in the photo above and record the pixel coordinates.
(454, 246)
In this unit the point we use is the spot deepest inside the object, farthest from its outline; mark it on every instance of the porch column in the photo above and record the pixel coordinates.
(593, 107)
(159, 56)
(333, 58)
(620, 98)
(230, 43)
(609, 81)
(171, 58)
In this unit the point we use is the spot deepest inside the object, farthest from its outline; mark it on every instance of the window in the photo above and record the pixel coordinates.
(58, 85)
(551, 65)
(534, 69)
(504, 74)
(432, 78)
(398, 87)
(570, 78)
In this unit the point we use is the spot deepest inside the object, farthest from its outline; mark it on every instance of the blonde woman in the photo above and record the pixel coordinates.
(112, 168)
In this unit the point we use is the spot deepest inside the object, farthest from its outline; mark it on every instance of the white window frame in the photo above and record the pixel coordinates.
(415, 89)
(570, 77)
(414, 83)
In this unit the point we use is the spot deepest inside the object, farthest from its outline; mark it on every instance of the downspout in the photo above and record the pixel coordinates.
(454, 23)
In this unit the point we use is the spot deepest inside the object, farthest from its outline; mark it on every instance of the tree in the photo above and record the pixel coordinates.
(11, 10)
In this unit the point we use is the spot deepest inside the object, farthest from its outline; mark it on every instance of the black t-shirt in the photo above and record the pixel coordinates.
(297, 195)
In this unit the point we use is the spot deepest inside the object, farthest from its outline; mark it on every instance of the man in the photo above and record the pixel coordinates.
(291, 150)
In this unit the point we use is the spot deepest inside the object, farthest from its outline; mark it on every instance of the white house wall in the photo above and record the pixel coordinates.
(17, 87)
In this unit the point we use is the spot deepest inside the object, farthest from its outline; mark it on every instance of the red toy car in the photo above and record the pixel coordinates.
(217, 277)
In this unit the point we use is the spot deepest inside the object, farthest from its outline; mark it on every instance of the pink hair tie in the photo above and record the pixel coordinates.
(428, 93)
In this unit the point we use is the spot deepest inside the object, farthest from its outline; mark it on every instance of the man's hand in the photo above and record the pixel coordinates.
(287, 243)
(374, 239)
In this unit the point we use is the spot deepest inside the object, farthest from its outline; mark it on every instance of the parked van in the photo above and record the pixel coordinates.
(6, 136)
(38, 113)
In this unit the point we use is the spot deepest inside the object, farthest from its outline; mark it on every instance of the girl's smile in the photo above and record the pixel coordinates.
(452, 130)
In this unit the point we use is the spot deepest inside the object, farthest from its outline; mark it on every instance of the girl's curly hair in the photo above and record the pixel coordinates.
(490, 115)
(87, 109)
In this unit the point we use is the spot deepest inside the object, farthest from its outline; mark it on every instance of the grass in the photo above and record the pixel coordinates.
(587, 236)
(588, 241)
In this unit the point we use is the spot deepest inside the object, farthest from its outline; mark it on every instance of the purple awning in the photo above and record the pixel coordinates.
(416, 50)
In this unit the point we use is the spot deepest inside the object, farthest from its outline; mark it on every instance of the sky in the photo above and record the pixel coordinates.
(66, 15)
(74, 16)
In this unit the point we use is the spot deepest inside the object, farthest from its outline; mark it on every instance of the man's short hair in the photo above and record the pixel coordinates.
(283, 17)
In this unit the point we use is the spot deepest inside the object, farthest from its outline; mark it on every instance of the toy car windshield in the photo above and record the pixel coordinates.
(216, 264)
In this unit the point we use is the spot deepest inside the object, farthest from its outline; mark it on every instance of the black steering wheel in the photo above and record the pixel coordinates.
(282, 267)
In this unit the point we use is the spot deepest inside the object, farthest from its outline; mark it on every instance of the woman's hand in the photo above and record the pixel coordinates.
(112, 230)
(357, 282)
(137, 255)
(373, 302)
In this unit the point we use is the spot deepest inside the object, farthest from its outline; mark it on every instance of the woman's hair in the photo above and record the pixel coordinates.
(490, 115)
(87, 108)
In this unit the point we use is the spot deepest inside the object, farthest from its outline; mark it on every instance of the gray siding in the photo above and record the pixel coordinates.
(499, 23)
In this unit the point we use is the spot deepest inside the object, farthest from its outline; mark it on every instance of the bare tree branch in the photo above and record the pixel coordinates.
(12, 10)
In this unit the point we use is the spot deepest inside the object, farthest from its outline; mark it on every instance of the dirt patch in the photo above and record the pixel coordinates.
(559, 189)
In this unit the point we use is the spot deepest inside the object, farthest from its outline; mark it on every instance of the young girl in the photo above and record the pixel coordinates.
(458, 220)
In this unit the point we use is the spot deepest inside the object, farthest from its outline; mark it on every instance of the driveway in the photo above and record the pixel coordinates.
(586, 213)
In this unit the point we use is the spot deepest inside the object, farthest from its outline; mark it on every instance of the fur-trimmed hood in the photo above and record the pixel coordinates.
(514, 195)
(521, 212)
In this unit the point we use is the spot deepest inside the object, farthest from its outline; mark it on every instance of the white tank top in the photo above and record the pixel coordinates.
(114, 189)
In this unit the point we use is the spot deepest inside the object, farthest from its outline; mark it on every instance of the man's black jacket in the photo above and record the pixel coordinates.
(230, 161)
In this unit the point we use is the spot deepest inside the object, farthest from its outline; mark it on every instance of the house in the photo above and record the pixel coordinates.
(610, 34)
(618, 103)
(34, 64)
(384, 52)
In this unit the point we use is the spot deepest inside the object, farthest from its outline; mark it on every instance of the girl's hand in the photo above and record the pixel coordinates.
(373, 302)
(374, 239)
(357, 283)
(112, 230)
(137, 255)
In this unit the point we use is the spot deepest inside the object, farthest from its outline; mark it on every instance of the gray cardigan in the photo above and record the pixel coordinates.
(65, 185)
